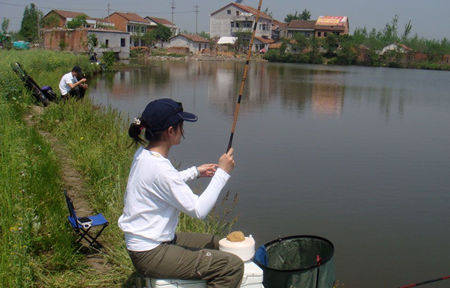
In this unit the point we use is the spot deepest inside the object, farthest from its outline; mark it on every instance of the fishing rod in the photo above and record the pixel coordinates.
(244, 77)
(425, 282)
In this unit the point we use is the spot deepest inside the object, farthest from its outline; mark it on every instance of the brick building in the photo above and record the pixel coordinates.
(76, 40)
(305, 27)
(131, 23)
(154, 21)
(326, 25)
(59, 18)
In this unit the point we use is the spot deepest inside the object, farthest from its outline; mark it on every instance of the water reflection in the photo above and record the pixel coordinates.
(321, 90)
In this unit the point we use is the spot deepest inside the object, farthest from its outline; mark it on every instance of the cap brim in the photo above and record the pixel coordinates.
(188, 116)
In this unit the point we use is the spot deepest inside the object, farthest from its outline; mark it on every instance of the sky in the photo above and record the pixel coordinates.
(430, 18)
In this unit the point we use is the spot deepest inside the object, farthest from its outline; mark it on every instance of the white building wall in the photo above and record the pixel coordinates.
(220, 23)
(180, 41)
(114, 43)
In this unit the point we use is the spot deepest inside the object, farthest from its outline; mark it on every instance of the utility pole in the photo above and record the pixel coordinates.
(173, 9)
(108, 12)
(196, 17)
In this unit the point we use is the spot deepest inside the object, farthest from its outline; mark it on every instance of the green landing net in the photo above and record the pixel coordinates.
(297, 261)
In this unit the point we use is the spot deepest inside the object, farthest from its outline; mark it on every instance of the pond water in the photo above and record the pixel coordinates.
(358, 155)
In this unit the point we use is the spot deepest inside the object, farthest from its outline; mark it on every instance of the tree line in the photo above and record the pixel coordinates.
(364, 47)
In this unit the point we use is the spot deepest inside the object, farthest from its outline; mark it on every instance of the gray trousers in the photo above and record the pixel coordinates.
(191, 256)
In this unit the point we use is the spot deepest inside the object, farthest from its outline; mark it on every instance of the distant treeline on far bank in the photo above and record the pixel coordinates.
(387, 47)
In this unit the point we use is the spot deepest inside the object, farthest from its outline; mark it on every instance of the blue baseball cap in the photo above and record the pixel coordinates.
(160, 114)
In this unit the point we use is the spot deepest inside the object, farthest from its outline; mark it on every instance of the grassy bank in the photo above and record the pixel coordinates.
(35, 242)
(37, 247)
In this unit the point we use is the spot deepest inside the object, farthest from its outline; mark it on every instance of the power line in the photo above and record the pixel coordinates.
(102, 9)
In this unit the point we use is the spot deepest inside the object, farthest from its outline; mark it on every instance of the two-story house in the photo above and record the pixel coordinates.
(234, 18)
(59, 18)
(131, 23)
(154, 21)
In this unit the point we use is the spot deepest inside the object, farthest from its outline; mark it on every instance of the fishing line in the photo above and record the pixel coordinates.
(244, 78)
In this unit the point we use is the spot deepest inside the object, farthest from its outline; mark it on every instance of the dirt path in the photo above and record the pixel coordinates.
(75, 186)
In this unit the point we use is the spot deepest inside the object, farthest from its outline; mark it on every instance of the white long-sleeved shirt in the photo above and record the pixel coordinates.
(156, 193)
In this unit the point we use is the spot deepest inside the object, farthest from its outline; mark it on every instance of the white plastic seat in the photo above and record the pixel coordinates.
(253, 278)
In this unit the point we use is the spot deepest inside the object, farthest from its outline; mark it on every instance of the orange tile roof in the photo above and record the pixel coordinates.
(68, 14)
(252, 10)
(131, 17)
(246, 8)
(302, 24)
(161, 21)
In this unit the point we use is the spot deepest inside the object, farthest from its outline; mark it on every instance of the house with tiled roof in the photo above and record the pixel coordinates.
(59, 18)
(305, 27)
(194, 43)
(131, 23)
(326, 25)
(234, 18)
(155, 21)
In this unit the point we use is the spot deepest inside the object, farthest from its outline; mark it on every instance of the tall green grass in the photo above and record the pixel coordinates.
(98, 143)
(36, 248)
(34, 240)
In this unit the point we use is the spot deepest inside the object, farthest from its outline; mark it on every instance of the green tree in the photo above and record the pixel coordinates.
(50, 21)
(79, 21)
(290, 17)
(301, 42)
(92, 42)
(407, 30)
(242, 41)
(29, 28)
(305, 15)
(5, 25)
(331, 44)
(149, 38)
(204, 35)
(162, 33)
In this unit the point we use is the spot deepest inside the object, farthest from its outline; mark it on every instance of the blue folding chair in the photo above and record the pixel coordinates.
(83, 225)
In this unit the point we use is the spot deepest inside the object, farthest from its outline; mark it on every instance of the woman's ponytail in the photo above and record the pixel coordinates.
(135, 130)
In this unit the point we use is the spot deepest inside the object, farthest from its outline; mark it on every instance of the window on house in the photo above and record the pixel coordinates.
(237, 13)
(237, 24)
(128, 28)
(122, 42)
(232, 24)
(107, 43)
(319, 34)
(228, 11)
(325, 34)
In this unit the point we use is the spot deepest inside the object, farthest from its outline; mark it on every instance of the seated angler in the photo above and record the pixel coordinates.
(156, 193)
(70, 86)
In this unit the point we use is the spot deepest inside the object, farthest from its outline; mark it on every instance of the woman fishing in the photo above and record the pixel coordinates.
(155, 195)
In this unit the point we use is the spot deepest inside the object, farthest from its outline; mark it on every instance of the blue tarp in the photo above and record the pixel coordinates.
(21, 45)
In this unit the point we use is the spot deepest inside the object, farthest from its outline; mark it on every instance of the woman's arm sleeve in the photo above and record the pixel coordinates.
(179, 195)
(189, 174)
